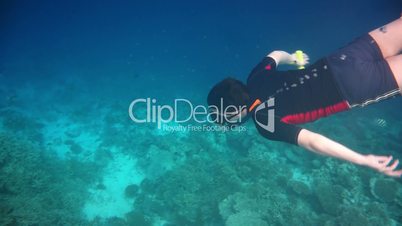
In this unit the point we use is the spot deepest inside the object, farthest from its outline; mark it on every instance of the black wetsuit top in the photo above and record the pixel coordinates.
(300, 96)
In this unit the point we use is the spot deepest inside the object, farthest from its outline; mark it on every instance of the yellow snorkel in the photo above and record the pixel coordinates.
(299, 57)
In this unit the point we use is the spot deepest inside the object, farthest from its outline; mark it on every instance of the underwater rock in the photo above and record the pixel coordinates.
(347, 176)
(189, 191)
(293, 157)
(76, 149)
(147, 185)
(158, 161)
(378, 213)
(236, 209)
(236, 203)
(16, 121)
(100, 186)
(31, 182)
(316, 163)
(137, 218)
(5, 190)
(131, 191)
(299, 187)
(330, 197)
(73, 133)
(239, 144)
(226, 207)
(353, 217)
(115, 221)
(149, 205)
(385, 190)
(245, 218)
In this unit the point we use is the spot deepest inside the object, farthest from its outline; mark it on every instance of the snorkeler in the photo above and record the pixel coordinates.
(366, 71)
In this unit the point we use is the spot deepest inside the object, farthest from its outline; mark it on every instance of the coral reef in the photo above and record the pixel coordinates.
(22, 125)
(245, 218)
(131, 190)
(34, 189)
(191, 190)
(137, 218)
(385, 190)
(190, 178)
(330, 197)
(258, 188)
(299, 187)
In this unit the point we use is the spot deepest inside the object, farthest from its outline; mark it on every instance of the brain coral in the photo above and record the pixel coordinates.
(385, 190)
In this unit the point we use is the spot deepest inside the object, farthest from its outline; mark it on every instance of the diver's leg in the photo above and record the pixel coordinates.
(395, 63)
(389, 38)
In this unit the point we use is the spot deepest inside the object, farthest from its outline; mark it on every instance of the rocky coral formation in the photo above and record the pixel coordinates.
(228, 188)
(21, 125)
(299, 187)
(245, 218)
(385, 190)
(191, 179)
(192, 190)
(34, 189)
(131, 191)
(330, 197)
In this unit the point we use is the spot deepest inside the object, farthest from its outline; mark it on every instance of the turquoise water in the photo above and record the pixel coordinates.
(71, 155)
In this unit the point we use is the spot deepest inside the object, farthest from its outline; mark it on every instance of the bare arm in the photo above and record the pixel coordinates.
(322, 145)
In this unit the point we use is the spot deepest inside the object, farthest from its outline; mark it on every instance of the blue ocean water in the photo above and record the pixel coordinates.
(70, 154)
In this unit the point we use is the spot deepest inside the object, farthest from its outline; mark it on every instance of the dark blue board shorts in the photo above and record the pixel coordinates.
(362, 74)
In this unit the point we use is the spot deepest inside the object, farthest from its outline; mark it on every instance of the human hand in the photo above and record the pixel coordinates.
(380, 163)
(300, 62)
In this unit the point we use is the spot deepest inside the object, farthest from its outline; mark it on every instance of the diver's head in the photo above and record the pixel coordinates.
(228, 102)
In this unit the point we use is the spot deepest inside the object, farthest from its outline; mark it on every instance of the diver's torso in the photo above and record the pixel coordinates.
(300, 95)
